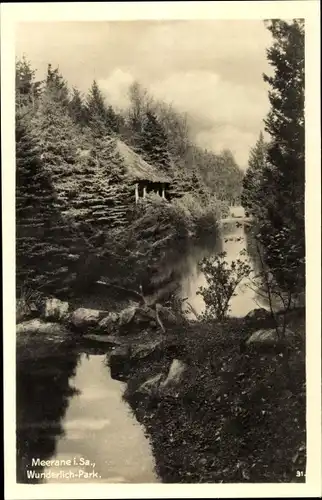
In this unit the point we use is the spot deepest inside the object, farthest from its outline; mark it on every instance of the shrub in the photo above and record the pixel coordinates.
(222, 280)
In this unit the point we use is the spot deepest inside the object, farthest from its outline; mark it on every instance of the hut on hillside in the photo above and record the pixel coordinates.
(144, 177)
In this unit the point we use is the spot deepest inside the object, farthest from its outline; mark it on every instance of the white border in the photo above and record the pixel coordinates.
(14, 13)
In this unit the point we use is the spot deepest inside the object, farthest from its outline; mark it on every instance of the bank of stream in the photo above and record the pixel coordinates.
(228, 421)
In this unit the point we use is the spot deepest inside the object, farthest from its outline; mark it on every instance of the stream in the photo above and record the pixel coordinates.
(71, 413)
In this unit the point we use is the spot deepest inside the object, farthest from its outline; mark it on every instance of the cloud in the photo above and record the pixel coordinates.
(210, 69)
(116, 86)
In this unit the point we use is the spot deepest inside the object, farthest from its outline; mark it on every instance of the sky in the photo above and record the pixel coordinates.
(210, 69)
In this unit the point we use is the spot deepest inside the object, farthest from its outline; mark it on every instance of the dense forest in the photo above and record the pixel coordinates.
(74, 197)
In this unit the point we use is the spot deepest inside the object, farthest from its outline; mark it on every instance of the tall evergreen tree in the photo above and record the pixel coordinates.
(102, 192)
(44, 240)
(153, 143)
(281, 217)
(253, 177)
(77, 110)
(57, 86)
(28, 89)
(101, 119)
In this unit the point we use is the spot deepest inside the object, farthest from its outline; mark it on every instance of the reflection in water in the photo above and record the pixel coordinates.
(43, 391)
(88, 428)
(100, 431)
(234, 239)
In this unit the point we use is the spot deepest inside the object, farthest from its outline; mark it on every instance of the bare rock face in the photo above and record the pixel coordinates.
(55, 310)
(82, 318)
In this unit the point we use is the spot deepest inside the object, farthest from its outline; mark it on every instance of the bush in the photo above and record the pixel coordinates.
(222, 280)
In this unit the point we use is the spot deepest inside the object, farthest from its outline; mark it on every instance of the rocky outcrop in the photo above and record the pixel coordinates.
(82, 318)
(55, 310)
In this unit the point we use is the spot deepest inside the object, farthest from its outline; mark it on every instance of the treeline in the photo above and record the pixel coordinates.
(72, 188)
(274, 184)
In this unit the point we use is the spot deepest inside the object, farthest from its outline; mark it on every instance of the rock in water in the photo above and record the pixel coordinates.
(55, 310)
(82, 318)
(175, 373)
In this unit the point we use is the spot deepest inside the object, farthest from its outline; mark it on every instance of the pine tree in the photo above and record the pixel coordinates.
(102, 197)
(153, 143)
(58, 140)
(57, 86)
(112, 120)
(43, 238)
(77, 110)
(101, 119)
(252, 181)
(281, 217)
(27, 88)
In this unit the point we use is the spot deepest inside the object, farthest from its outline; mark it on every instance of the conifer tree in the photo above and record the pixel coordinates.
(112, 120)
(44, 239)
(153, 143)
(57, 86)
(281, 217)
(253, 177)
(103, 193)
(77, 110)
(101, 119)
(28, 89)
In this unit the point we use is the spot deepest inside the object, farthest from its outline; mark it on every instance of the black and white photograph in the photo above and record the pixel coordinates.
(160, 230)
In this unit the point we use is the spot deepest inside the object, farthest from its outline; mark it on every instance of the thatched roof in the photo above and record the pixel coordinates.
(139, 169)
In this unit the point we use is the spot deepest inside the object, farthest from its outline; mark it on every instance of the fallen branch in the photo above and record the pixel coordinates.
(123, 289)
